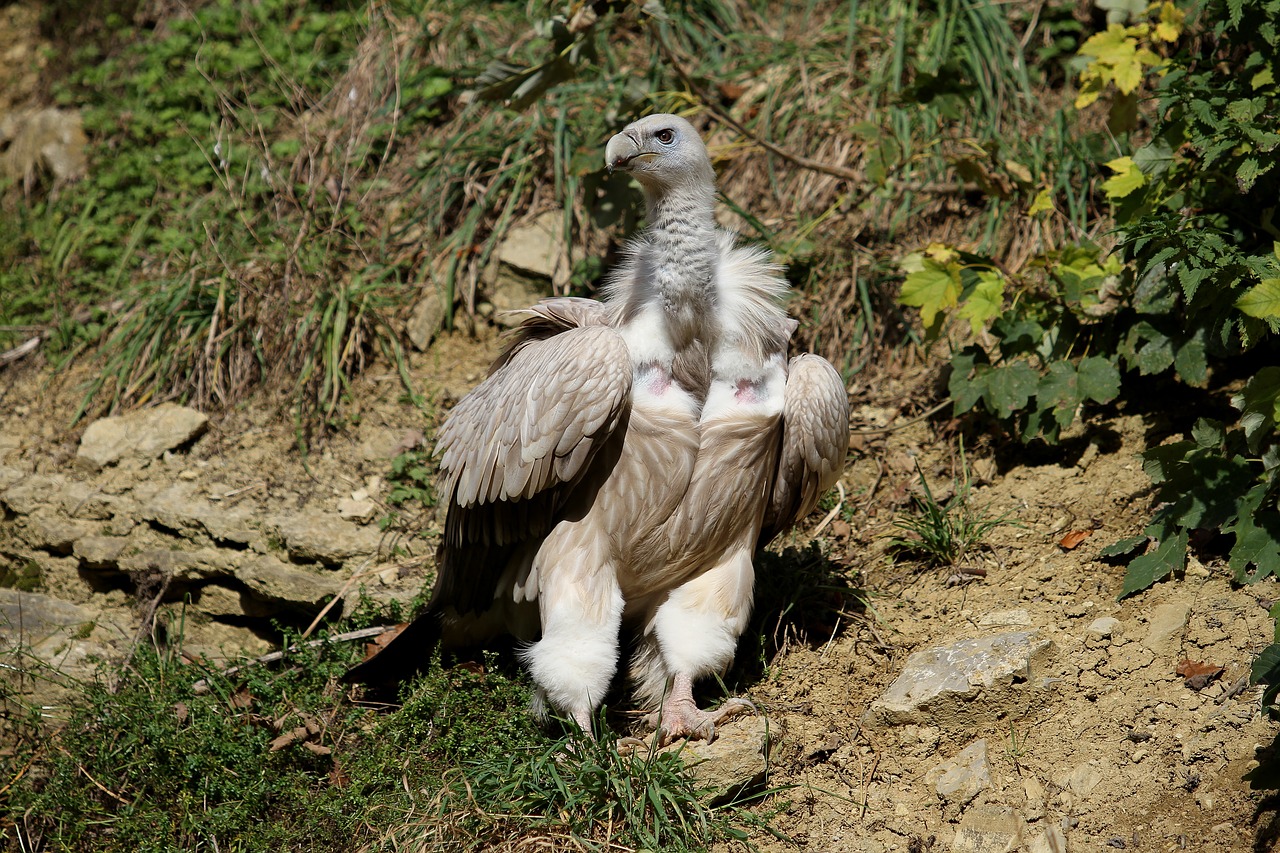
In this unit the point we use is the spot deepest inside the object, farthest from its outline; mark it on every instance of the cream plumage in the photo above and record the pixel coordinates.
(624, 459)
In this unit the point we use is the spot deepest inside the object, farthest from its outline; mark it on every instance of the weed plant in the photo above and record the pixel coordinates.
(944, 533)
(171, 754)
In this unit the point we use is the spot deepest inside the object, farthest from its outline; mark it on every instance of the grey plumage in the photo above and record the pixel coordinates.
(624, 459)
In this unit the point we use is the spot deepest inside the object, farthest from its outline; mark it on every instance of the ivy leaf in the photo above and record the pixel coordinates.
(1259, 405)
(1124, 546)
(1169, 556)
(968, 378)
(1262, 300)
(1060, 389)
(1171, 22)
(1257, 539)
(1042, 203)
(1099, 379)
(1127, 178)
(930, 286)
(985, 301)
(1009, 387)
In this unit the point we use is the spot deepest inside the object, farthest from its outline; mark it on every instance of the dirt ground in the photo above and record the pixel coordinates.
(1110, 750)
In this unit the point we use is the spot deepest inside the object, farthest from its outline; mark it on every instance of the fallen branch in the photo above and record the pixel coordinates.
(22, 349)
(202, 686)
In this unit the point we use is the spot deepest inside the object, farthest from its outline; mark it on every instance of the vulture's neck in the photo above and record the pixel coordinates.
(682, 239)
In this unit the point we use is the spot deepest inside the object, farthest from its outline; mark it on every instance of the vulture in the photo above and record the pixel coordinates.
(624, 459)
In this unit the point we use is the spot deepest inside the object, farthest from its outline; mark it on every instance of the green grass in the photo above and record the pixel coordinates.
(944, 533)
(169, 754)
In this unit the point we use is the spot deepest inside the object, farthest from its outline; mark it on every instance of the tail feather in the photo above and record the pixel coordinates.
(406, 655)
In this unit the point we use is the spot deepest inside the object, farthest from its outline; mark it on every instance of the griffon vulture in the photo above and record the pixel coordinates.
(624, 459)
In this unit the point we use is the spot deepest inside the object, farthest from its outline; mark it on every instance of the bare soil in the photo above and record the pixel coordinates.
(1116, 752)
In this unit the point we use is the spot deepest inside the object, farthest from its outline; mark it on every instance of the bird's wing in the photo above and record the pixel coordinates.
(815, 438)
(513, 450)
(550, 317)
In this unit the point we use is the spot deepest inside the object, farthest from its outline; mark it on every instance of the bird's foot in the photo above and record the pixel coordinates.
(681, 717)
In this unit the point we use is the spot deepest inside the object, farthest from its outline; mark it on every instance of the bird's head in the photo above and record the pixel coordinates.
(662, 152)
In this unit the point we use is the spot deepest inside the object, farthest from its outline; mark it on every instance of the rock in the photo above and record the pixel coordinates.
(990, 829)
(735, 761)
(9, 477)
(360, 511)
(53, 533)
(219, 601)
(49, 139)
(509, 291)
(1006, 618)
(1051, 840)
(201, 564)
(55, 632)
(1167, 620)
(318, 537)
(1081, 779)
(26, 496)
(380, 443)
(179, 508)
(426, 320)
(144, 434)
(99, 552)
(1105, 627)
(278, 586)
(961, 779)
(965, 683)
(83, 500)
(536, 247)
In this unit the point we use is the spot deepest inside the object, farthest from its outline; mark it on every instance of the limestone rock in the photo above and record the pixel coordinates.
(99, 552)
(509, 291)
(48, 139)
(323, 538)
(57, 633)
(426, 320)
(201, 564)
(26, 496)
(736, 760)
(1167, 620)
(965, 683)
(52, 533)
(144, 434)
(278, 586)
(961, 779)
(353, 509)
(84, 500)
(535, 248)
(178, 507)
(1105, 627)
(9, 477)
(990, 829)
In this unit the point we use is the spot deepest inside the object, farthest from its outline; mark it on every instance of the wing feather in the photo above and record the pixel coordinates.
(815, 439)
(513, 451)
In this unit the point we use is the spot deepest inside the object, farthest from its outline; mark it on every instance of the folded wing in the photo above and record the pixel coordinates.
(815, 438)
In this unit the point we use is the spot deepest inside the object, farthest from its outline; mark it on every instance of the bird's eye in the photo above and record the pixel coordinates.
(666, 136)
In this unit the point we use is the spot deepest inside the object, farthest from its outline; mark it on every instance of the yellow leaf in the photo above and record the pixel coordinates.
(942, 253)
(1127, 178)
(1042, 203)
(985, 302)
(1262, 300)
(1019, 171)
(1171, 22)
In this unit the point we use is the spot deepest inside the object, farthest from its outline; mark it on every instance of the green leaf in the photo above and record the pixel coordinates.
(1099, 379)
(1257, 540)
(1266, 666)
(1208, 433)
(1128, 178)
(1191, 362)
(1259, 405)
(1169, 556)
(985, 301)
(1009, 387)
(1124, 546)
(1262, 300)
(931, 287)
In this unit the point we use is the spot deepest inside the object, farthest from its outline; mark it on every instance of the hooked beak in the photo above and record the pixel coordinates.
(623, 150)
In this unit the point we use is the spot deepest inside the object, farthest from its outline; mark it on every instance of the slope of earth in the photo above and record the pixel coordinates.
(1090, 741)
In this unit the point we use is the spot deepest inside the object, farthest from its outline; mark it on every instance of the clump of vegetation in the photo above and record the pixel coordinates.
(943, 533)
(173, 754)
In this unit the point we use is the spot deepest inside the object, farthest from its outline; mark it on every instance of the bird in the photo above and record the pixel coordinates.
(623, 460)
